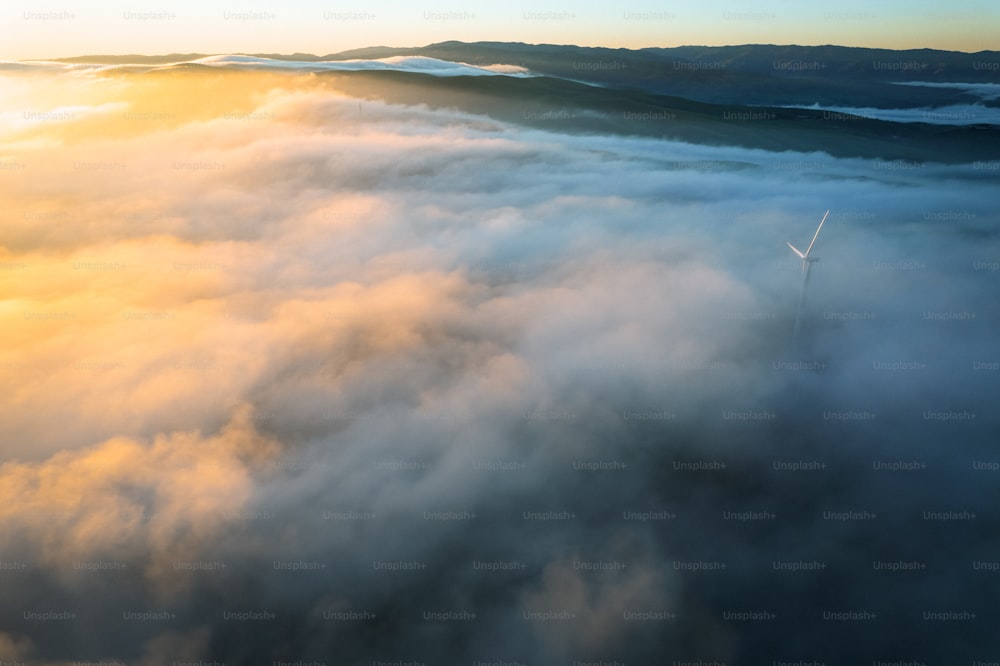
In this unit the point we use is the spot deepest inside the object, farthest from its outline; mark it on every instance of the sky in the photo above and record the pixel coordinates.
(52, 29)
(293, 376)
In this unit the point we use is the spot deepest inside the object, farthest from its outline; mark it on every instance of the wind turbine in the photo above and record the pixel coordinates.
(807, 262)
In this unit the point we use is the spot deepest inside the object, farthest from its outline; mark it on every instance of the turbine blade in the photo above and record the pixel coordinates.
(815, 235)
(795, 250)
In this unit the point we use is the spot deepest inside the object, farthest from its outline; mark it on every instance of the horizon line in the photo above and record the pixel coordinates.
(511, 43)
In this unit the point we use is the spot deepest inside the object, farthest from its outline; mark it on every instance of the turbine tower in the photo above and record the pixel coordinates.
(807, 262)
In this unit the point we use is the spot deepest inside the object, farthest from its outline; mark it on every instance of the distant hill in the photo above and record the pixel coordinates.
(747, 74)
(566, 106)
(754, 74)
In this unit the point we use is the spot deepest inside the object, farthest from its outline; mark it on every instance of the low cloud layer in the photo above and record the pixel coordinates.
(296, 376)
(957, 114)
(984, 91)
(413, 64)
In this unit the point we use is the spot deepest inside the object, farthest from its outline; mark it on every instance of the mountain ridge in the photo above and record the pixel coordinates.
(751, 74)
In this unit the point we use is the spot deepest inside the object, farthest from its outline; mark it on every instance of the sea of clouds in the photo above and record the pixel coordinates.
(324, 379)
